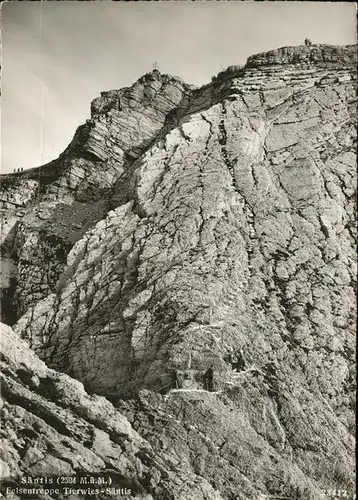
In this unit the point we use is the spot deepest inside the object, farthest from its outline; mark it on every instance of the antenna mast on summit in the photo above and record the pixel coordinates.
(155, 66)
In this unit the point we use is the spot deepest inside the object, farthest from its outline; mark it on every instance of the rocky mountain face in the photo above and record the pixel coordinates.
(187, 228)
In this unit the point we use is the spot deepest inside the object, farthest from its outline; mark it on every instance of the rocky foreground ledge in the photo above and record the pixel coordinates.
(51, 428)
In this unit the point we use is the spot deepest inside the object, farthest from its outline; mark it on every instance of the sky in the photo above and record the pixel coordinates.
(58, 56)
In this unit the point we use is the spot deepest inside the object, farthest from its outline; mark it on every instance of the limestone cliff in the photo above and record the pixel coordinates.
(185, 228)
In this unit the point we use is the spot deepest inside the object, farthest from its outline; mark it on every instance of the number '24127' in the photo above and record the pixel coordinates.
(339, 494)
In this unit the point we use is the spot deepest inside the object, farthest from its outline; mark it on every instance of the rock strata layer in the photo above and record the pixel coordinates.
(190, 228)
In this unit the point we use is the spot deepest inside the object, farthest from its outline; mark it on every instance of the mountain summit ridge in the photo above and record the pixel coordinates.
(316, 54)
